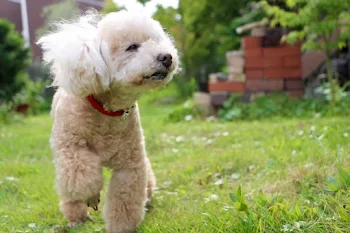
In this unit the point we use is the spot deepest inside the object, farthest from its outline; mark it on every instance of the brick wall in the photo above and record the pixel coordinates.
(260, 67)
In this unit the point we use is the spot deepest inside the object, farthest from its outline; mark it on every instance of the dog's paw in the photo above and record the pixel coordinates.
(93, 202)
(73, 224)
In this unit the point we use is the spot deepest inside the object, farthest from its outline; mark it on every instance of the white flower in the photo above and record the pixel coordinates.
(167, 183)
(225, 134)
(235, 176)
(211, 118)
(31, 225)
(251, 167)
(298, 225)
(219, 182)
(301, 133)
(287, 228)
(175, 150)
(308, 165)
(209, 141)
(325, 128)
(188, 118)
(171, 193)
(212, 197)
(294, 152)
(179, 139)
(345, 135)
(11, 178)
(227, 208)
(313, 128)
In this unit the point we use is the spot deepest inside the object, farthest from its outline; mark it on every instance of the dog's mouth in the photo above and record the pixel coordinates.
(159, 75)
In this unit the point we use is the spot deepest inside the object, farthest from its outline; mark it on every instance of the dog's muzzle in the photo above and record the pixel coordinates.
(159, 75)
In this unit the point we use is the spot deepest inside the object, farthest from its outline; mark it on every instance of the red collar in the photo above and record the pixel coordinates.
(96, 105)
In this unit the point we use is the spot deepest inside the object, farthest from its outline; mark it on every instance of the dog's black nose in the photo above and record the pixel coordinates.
(165, 59)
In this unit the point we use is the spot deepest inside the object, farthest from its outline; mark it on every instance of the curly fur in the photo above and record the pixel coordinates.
(89, 56)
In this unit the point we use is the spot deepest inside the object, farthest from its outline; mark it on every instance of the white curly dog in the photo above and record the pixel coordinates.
(102, 65)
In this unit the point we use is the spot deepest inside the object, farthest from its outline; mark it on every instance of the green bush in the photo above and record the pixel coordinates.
(40, 73)
(14, 58)
(275, 105)
(184, 112)
(32, 94)
(185, 89)
(7, 115)
(279, 105)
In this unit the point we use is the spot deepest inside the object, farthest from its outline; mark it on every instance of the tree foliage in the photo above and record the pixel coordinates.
(64, 10)
(322, 24)
(110, 6)
(204, 31)
(144, 1)
(14, 58)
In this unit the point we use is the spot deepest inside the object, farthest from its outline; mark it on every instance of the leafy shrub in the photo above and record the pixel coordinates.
(32, 94)
(185, 89)
(7, 115)
(279, 105)
(186, 111)
(63, 10)
(316, 22)
(14, 58)
(39, 72)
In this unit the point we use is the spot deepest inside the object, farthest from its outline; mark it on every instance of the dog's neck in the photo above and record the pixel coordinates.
(117, 98)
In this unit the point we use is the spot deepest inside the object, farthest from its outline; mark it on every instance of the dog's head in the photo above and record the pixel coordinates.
(120, 49)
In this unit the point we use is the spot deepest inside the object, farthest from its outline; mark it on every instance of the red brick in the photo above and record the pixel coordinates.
(263, 62)
(273, 73)
(293, 73)
(282, 51)
(251, 42)
(258, 52)
(296, 84)
(254, 73)
(292, 61)
(227, 86)
(264, 85)
(254, 62)
(273, 62)
(296, 93)
(287, 73)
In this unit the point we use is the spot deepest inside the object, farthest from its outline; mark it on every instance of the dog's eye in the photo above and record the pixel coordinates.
(133, 47)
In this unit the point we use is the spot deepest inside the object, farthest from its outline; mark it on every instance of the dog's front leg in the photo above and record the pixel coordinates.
(125, 202)
(79, 182)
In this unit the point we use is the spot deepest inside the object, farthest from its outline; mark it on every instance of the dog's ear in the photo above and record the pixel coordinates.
(79, 60)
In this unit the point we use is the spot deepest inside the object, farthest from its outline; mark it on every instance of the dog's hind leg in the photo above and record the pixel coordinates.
(126, 197)
(79, 182)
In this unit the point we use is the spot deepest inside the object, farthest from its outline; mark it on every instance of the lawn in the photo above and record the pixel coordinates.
(286, 168)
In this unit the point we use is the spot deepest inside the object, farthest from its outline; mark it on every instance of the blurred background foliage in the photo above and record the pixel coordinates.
(203, 31)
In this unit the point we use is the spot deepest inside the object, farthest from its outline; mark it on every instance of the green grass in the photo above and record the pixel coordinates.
(198, 164)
